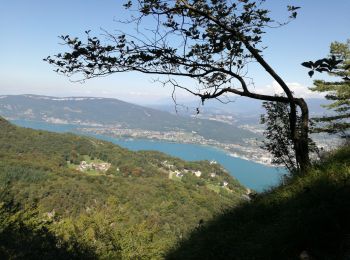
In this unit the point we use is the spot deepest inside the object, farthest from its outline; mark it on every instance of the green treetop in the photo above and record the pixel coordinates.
(337, 65)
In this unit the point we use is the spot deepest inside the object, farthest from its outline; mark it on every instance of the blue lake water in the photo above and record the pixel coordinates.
(250, 174)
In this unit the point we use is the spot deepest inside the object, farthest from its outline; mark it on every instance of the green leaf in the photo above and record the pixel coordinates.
(307, 64)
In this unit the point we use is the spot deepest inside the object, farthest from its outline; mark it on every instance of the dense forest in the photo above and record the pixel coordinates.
(139, 208)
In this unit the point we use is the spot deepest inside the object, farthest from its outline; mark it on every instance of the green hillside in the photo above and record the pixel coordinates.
(136, 209)
(148, 205)
(305, 216)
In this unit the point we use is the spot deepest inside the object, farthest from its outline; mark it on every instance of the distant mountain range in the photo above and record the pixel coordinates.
(241, 107)
(106, 111)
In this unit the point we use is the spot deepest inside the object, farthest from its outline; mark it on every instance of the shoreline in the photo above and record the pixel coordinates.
(89, 129)
(218, 147)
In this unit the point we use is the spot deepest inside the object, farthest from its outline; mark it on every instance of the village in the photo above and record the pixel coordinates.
(101, 167)
(174, 172)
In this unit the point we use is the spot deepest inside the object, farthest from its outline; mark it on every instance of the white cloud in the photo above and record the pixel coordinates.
(298, 89)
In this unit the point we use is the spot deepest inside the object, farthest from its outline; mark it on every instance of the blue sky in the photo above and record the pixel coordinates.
(29, 30)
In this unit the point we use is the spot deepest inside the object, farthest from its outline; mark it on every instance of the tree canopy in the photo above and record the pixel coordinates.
(211, 42)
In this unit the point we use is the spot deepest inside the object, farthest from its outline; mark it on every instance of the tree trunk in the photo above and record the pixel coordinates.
(301, 141)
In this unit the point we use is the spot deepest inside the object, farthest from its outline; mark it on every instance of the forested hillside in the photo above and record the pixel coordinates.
(138, 207)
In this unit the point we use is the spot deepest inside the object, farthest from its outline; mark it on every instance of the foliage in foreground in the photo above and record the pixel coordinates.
(307, 214)
(132, 211)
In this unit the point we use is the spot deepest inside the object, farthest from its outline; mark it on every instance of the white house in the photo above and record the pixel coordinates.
(198, 173)
(179, 174)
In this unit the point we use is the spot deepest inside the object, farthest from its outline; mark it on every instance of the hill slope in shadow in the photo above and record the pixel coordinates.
(306, 215)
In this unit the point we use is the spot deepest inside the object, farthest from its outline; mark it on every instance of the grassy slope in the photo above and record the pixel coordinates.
(48, 210)
(310, 213)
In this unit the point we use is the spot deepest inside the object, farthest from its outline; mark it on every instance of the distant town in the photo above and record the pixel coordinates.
(249, 150)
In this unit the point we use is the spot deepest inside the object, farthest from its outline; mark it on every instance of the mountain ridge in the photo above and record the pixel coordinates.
(107, 111)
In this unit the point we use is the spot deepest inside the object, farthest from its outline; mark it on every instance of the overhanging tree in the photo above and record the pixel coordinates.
(209, 41)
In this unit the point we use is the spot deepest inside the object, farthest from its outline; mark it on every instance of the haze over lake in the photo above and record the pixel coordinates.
(250, 174)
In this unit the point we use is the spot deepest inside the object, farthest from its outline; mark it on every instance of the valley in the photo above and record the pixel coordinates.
(239, 134)
(116, 118)
(174, 130)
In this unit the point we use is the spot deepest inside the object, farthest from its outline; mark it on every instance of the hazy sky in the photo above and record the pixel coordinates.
(29, 31)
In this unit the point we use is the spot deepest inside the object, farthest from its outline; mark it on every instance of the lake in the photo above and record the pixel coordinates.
(252, 175)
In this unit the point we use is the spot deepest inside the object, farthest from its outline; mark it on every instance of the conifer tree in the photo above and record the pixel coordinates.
(338, 92)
